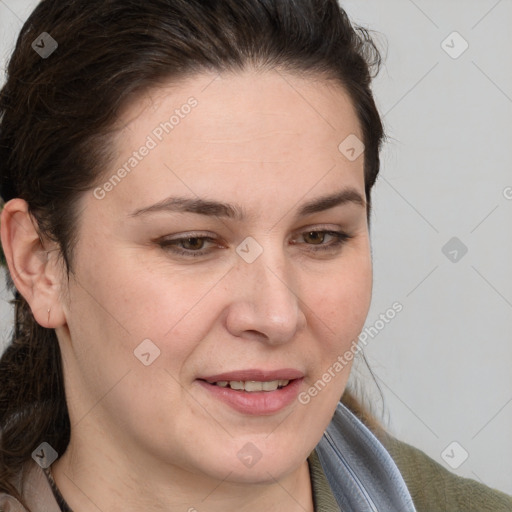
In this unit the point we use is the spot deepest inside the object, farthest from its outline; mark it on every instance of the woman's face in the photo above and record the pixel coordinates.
(212, 258)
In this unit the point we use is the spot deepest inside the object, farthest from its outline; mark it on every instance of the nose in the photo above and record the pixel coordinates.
(265, 303)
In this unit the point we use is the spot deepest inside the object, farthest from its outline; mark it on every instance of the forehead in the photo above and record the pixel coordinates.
(255, 103)
(244, 132)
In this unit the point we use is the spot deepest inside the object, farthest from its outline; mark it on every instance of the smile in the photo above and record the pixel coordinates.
(252, 385)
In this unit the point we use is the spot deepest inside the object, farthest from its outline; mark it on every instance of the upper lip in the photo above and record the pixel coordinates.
(256, 375)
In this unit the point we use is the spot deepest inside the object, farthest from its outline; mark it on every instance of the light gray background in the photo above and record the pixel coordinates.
(443, 363)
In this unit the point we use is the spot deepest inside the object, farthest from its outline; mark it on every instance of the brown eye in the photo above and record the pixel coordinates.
(324, 240)
(315, 237)
(193, 246)
(194, 243)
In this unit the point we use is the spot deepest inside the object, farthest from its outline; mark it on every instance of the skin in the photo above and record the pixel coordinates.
(151, 436)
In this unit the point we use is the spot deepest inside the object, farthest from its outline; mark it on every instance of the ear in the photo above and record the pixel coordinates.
(35, 269)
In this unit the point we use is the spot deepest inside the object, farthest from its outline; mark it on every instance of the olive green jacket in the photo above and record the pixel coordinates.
(432, 487)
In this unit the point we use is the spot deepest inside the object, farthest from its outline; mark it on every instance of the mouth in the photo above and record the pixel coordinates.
(251, 386)
(254, 380)
(255, 392)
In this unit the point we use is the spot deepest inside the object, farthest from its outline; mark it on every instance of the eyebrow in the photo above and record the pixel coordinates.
(236, 212)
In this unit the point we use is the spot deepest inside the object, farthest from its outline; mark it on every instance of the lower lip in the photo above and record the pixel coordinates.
(256, 402)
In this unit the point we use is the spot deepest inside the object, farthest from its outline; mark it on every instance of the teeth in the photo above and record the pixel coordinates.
(266, 386)
(252, 385)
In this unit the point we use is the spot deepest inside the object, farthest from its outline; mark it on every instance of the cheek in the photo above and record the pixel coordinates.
(344, 299)
(135, 302)
(338, 309)
(338, 312)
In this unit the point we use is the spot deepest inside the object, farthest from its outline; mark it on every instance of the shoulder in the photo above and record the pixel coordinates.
(10, 504)
(34, 488)
(433, 487)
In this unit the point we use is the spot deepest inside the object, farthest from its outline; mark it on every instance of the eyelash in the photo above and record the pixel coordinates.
(340, 239)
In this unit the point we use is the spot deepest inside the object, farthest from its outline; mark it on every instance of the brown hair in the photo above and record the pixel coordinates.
(58, 116)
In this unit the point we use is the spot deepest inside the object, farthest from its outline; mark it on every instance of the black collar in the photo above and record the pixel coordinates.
(64, 507)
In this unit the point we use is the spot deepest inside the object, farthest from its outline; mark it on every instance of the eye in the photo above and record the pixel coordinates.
(316, 238)
(191, 245)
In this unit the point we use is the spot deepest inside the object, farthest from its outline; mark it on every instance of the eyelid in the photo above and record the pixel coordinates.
(319, 227)
(190, 234)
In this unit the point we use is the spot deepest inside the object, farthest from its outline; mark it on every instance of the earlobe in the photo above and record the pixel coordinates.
(35, 274)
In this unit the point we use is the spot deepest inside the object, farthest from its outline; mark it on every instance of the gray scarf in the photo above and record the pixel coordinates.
(362, 475)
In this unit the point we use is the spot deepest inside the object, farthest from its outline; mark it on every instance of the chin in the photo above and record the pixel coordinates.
(263, 474)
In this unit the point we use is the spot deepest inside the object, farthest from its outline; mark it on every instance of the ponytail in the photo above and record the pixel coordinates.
(32, 399)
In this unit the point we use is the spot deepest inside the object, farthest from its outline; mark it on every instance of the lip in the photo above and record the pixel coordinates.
(256, 374)
(256, 403)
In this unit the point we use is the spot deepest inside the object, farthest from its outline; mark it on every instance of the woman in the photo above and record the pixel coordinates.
(187, 195)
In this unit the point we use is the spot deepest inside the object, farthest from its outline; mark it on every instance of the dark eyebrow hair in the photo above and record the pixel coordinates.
(236, 212)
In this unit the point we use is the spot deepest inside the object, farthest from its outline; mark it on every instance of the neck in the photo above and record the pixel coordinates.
(93, 476)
